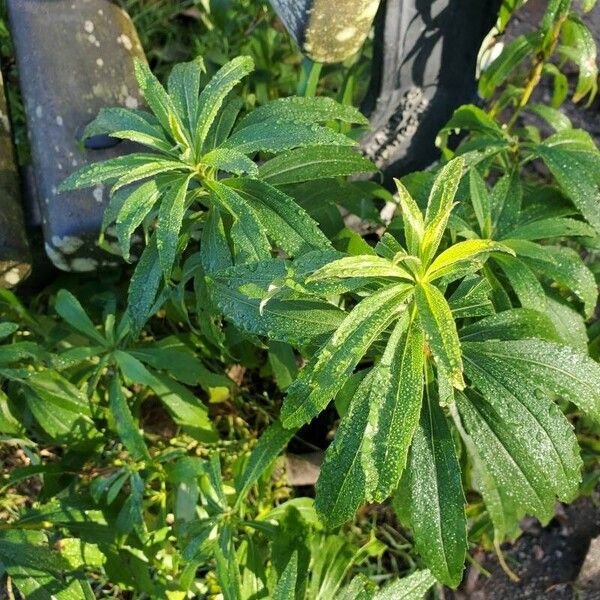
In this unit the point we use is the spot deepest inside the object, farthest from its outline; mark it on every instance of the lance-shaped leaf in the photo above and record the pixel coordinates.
(360, 266)
(551, 367)
(579, 45)
(348, 474)
(303, 110)
(443, 191)
(439, 207)
(504, 510)
(247, 233)
(413, 587)
(275, 137)
(135, 125)
(432, 489)
(575, 169)
(224, 122)
(414, 224)
(270, 445)
(469, 251)
(286, 586)
(151, 169)
(480, 200)
(439, 326)
(213, 95)
(170, 220)
(230, 161)
(239, 293)
(325, 374)
(523, 280)
(124, 422)
(538, 427)
(184, 89)
(106, 171)
(509, 59)
(552, 227)
(399, 406)
(308, 164)
(134, 210)
(515, 480)
(568, 269)
(68, 307)
(160, 102)
(471, 298)
(144, 285)
(287, 223)
(514, 324)
(506, 199)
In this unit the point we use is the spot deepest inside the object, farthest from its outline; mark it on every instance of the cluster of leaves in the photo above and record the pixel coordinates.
(148, 517)
(453, 350)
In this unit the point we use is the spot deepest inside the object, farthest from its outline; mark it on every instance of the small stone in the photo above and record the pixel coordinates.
(589, 575)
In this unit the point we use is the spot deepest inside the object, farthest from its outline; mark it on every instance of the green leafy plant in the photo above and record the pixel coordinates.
(433, 359)
(201, 169)
(451, 353)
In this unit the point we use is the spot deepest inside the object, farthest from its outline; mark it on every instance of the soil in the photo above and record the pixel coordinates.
(547, 560)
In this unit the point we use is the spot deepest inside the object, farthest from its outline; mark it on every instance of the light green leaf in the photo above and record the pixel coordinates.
(360, 266)
(324, 375)
(413, 587)
(414, 224)
(470, 251)
(439, 207)
(159, 101)
(439, 326)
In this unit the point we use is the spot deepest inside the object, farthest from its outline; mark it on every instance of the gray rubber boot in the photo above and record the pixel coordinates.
(423, 69)
(74, 58)
(15, 259)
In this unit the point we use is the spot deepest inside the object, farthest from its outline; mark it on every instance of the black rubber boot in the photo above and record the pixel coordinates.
(423, 69)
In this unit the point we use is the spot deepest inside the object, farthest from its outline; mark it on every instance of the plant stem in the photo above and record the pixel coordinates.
(536, 73)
